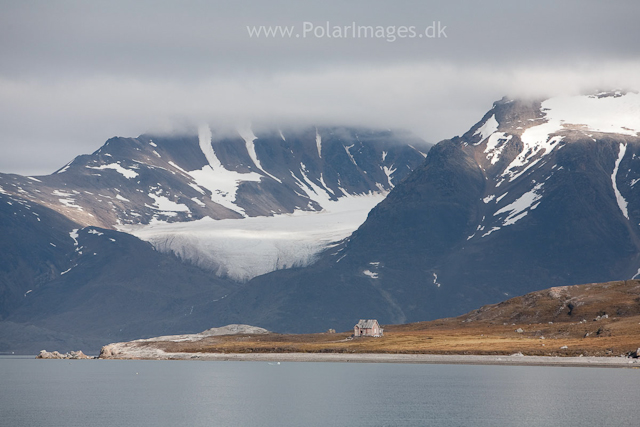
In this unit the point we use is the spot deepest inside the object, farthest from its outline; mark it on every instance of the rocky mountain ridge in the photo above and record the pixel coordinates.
(536, 194)
(180, 192)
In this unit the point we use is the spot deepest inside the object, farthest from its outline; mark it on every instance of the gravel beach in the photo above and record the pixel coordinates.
(515, 360)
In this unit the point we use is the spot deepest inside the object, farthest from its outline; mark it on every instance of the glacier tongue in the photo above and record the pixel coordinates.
(245, 248)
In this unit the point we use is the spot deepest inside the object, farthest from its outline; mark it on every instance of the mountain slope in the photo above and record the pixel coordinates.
(536, 194)
(34, 243)
(67, 287)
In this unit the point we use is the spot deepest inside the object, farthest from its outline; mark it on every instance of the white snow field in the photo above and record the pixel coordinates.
(610, 114)
(245, 248)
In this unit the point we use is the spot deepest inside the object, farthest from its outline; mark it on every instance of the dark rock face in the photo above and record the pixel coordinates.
(71, 288)
(33, 242)
(507, 208)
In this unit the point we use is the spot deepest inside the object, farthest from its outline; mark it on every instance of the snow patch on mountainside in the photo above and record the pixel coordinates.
(70, 203)
(74, 235)
(319, 143)
(520, 207)
(435, 280)
(127, 173)
(389, 170)
(495, 145)
(490, 231)
(489, 127)
(622, 203)
(348, 150)
(65, 167)
(248, 247)
(222, 183)
(370, 274)
(164, 204)
(321, 196)
(422, 153)
(537, 144)
(248, 136)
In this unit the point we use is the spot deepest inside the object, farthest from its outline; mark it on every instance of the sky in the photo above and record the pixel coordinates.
(75, 73)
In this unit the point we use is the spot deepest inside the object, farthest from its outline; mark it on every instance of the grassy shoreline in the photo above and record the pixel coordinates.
(583, 322)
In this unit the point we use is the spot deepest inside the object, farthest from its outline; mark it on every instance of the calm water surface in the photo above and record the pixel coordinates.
(100, 393)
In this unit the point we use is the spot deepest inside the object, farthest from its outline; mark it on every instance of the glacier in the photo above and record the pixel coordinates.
(245, 248)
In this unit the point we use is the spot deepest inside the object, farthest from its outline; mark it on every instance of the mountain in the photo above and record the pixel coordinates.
(76, 289)
(536, 194)
(296, 191)
(147, 234)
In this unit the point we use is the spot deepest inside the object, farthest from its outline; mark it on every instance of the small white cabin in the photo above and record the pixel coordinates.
(367, 328)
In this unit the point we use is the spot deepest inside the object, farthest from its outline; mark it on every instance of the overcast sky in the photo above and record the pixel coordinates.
(73, 74)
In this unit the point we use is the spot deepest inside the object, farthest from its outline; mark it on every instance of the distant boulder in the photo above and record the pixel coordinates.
(44, 354)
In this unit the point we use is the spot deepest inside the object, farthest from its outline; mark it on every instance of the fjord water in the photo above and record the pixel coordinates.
(102, 393)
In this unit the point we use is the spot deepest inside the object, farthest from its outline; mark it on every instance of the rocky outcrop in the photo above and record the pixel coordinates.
(149, 348)
(76, 355)
(581, 303)
(234, 329)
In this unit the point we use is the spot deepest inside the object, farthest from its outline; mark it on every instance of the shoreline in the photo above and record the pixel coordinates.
(436, 359)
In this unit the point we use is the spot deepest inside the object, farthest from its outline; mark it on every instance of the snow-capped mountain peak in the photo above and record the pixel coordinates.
(518, 145)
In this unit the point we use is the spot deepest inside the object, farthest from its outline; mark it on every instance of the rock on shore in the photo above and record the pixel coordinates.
(44, 354)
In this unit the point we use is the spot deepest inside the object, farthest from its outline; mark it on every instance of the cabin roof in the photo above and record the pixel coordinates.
(366, 324)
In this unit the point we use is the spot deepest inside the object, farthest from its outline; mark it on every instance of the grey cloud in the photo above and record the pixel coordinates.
(75, 73)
